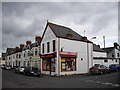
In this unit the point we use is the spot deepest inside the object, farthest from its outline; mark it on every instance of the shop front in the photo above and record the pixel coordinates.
(68, 62)
(48, 63)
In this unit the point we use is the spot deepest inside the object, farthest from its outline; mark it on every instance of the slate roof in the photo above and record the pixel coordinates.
(97, 48)
(109, 49)
(62, 31)
(10, 51)
(3, 54)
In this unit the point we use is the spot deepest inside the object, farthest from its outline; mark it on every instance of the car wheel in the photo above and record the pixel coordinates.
(28, 74)
(101, 72)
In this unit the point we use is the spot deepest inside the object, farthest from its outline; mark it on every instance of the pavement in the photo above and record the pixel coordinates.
(14, 80)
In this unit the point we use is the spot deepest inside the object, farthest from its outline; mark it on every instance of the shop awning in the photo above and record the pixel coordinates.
(48, 55)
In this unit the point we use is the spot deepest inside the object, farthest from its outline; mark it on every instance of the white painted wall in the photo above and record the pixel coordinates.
(81, 49)
(49, 37)
(99, 54)
(101, 62)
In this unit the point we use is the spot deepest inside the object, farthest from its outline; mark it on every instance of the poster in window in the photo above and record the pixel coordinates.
(63, 65)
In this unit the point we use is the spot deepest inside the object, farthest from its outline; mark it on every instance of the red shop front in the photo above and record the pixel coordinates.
(48, 62)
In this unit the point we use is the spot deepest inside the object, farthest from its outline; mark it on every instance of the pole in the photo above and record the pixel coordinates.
(104, 41)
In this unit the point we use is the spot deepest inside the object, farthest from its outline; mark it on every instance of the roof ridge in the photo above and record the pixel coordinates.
(59, 25)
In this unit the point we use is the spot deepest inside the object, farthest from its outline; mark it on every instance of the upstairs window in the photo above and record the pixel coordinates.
(105, 60)
(54, 44)
(118, 55)
(19, 56)
(43, 48)
(36, 52)
(48, 47)
(112, 55)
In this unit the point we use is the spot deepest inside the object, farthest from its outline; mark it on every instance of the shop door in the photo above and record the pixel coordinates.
(50, 65)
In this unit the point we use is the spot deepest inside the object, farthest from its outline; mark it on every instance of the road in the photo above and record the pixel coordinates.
(13, 80)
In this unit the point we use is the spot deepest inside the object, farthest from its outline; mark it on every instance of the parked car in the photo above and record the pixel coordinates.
(114, 67)
(99, 69)
(32, 71)
(3, 66)
(8, 67)
(19, 69)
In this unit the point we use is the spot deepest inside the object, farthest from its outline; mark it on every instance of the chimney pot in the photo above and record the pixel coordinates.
(28, 42)
(38, 38)
(21, 45)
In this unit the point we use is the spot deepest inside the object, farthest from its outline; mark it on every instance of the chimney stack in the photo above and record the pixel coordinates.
(16, 48)
(84, 38)
(21, 46)
(116, 45)
(28, 42)
(38, 38)
(98, 45)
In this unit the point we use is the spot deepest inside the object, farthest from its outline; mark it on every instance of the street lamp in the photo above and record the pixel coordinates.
(93, 38)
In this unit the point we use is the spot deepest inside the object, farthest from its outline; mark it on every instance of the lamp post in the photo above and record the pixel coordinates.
(92, 52)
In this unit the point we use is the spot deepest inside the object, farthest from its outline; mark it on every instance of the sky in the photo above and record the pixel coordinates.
(22, 21)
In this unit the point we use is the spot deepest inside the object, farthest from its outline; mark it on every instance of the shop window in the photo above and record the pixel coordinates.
(68, 64)
(48, 47)
(47, 64)
(54, 45)
(105, 60)
(42, 48)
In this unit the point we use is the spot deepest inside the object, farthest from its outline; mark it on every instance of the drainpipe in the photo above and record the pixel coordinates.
(88, 55)
(58, 56)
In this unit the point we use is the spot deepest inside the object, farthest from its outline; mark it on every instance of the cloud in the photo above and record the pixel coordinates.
(25, 20)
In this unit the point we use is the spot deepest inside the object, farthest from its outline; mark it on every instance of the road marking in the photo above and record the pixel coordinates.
(106, 83)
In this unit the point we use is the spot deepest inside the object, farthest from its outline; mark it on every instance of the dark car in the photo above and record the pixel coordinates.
(114, 67)
(19, 69)
(99, 69)
(32, 71)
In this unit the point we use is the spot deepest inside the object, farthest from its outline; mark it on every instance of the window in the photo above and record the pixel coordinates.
(19, 56)
(48, 47)
(54, 45)
(105, 60)
(48, 64)
(112, 55)
(28, 53)
(42, 48)
(24, 54)
(118, 55)
(36, 51)
(68, 64)
(116, 60)
(81, 59)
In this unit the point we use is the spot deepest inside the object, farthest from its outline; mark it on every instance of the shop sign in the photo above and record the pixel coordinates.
(68, 54)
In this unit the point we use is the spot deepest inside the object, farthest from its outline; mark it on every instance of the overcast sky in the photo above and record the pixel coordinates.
(22, 21)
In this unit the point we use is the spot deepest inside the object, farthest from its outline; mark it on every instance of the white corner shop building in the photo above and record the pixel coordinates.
(64, 52)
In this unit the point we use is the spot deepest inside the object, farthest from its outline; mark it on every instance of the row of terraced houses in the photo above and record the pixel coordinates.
(61, 51)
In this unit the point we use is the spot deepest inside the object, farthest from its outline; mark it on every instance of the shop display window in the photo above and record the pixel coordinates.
(68, 64)
(48, 64)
